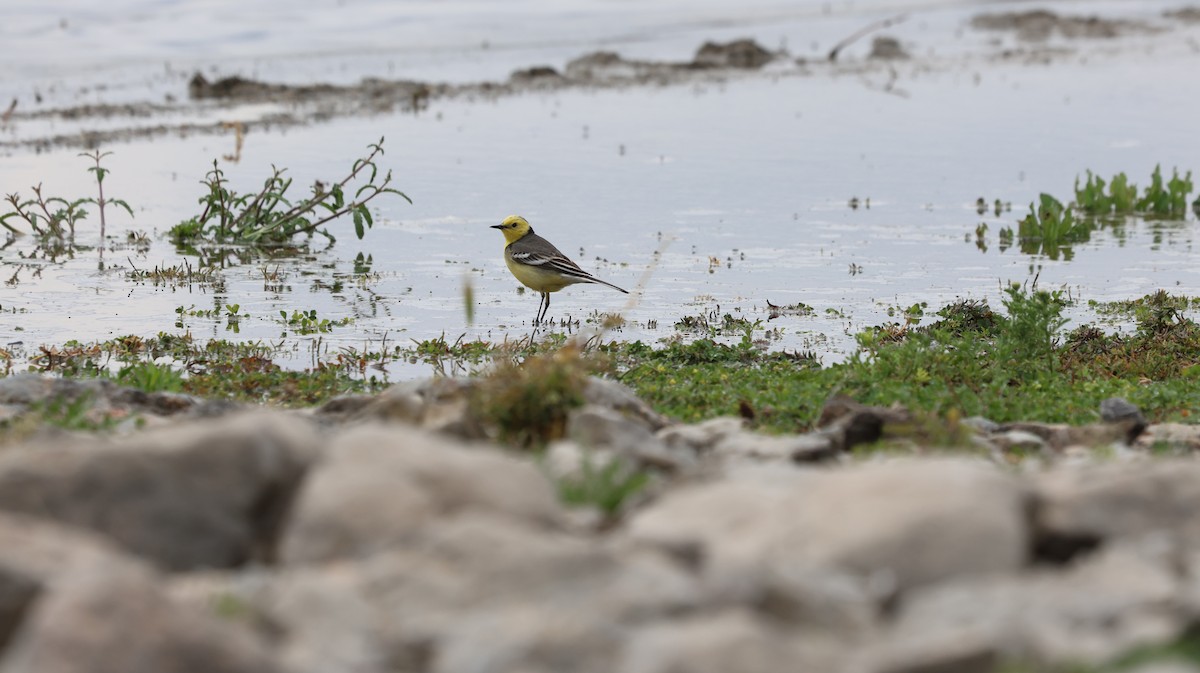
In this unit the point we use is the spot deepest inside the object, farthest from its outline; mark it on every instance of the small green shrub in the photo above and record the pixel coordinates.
(1026, 342)
(527, 403)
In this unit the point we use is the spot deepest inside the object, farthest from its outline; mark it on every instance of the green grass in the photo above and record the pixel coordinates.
(972, 362)
(1184, 650)
(605, 488)
(1013, 363)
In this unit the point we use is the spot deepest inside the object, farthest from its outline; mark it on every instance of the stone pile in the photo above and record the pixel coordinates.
(388, 534)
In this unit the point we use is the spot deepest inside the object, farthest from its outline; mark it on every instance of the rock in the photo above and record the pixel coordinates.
(593, 426)
(9, 412)
(701, 437)
(1090, 613)
(981, 424)
(1164, 666)
(566, 458)
(849, 423)
(438, 404)
(35, 555)
(1039, 25)
(380, 484)
(1018, 442)
(536, 73)
(343, 407)
(1182, 437)
(1184, 14)
(1116, 409)
(120, 624)
(106, 399)
(886, 48)
(1121, 411)
(601, 65)
(25, 388)
(733, 640)
(895, 525)
(745, 54)
(620, 398)
(807, 448)
(475, 592)
(190, 496)
(1059, 436)
(1102, 503)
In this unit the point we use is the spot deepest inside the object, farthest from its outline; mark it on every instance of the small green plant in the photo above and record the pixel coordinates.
(1091, 199)
(1169, 199)
(709, 323)
(912, 314)
(606, 487)
(1165, 199)
(966, 316)
(269, 217)
(307, 322)
(1025, 344)
(797, 309)
(151, 377)
(73, 413)
(1050, 227)
(56, 217)
(233, 317)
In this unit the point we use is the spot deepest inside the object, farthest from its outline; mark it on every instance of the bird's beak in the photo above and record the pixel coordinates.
(497, 226)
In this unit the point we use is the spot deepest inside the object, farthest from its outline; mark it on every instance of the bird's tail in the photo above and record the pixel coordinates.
(605, 282)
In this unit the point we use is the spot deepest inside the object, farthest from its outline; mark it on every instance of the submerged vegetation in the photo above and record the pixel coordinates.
(1161, 199)
(1051, 227)
(269, 217)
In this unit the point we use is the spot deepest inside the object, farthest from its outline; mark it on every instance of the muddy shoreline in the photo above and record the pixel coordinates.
(207, 104)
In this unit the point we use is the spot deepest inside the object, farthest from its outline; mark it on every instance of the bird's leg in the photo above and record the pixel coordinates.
(545, 306)
(537, 317)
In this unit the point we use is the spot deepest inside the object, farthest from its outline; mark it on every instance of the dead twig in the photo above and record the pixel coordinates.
(865, 30)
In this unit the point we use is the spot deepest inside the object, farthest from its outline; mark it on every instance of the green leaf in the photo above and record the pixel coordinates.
(122, 204)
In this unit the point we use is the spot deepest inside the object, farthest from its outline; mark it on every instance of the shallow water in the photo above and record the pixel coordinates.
(744, 184)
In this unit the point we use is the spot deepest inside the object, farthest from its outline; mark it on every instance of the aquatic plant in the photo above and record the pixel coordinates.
(1120, 199)
(55, 216)
(268, 217)
(308, 322)
(1169, 199)
(1051, 227)
(1165, 199)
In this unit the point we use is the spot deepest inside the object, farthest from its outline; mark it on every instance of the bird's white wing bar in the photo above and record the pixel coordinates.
(556, 263)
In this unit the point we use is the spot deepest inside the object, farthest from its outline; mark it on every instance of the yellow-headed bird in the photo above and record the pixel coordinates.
(538, 264)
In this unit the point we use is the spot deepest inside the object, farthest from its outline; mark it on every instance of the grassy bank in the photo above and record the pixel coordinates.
(1014, 363)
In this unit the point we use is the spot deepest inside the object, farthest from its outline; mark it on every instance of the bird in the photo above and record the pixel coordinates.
(538, 264)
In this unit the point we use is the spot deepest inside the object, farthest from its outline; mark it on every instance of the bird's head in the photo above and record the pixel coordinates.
(513, 227)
